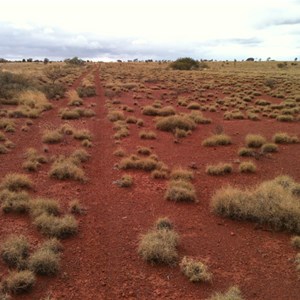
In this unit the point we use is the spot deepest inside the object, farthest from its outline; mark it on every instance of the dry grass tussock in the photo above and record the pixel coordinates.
(195, 270)
(285, 138)
(233, 293)
(33, 160)
(274, 202)
(180, 191)
(18, 282)
(219, 169)
(15, 182)
(254, 140)
(11, 201)
(159, 245)
(217, 140)
(181, 173)
(177, 121)
(134, 162)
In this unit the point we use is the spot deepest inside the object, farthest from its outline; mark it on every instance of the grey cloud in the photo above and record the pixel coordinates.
(281, 22)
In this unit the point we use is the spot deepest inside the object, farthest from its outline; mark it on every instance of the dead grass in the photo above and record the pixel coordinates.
(19, 282)
(17, 202)
(14, 251)
(219, 169)
(67, 168)
(269, 148)
(158, 246)
(15, 182)
(247, 167)
(52, 137)
(285, 138)
(144, 150)
(44, 262)
(59, 227)
(147, 135)
(274, 202)
(125, 181)
(177, 121)
(41, 206)
(135, 162)
(246, 152)
(181, 174)
(76, 208)
(254, 140)
(233, 293)
(82, 134)
(115, 115)
(295, 241)
(180, 191)
(33, 160)
(217, 140)
(195, 270)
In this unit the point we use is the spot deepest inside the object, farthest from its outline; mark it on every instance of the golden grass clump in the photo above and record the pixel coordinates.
(18, 282)
(254, 140)
(274, 202)
(233, 293)
(14, 251)
(219, 169)
(33, 160)
(195, 270)
(159, 246)
(67, 168)
(14, 201)
(15, 182)
(181, 174)
(285, 138)
(135, 162)
(217, 140)
(125, 181)
(247, 167)
(147, 135)
(295, 241)
(180, 191)
(177, 121)
(52, 137)
(269, 148)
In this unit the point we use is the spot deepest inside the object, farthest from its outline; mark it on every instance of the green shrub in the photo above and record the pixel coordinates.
(185, 63)
(195, 270)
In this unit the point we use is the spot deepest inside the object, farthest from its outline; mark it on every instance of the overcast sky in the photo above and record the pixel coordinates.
(150, 29)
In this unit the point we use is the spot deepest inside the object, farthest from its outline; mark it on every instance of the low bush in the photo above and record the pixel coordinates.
(246, 152)
(52, 137)
(254, 140)
(181, 174)
(185, 63)
(180, 191)
(66, 168)
(44, 262)
(54, 90)
(86, 91)
(274, 202)
(219, 169)
(269, 148)
(247, 167)
(19, 282)
(233, 293)
(217, 140)
(177, 121)
(14, 251)
(159, 246)
(147, 135)
(195, 270)
(14, 201)
(59, 227)
(285, 138)
(15, 182)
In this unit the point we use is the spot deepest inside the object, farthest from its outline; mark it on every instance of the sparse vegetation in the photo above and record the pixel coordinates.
(233, 293)
(254, 140)
(247, 167)
(15, 182)
(195, 270)
(19, 282)
(217, 140)
(273, 202)
(180, 191)
(219, 169)
(285, 138)
(159, 246)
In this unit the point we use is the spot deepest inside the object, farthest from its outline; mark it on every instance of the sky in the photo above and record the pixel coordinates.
(109, 30)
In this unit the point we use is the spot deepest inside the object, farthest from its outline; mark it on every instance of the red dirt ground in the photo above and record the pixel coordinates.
(101, 262)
